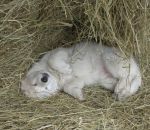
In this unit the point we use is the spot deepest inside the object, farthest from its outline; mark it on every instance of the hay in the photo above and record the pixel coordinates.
(31, 27)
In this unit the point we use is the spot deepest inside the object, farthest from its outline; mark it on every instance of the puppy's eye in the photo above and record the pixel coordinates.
(44, 78)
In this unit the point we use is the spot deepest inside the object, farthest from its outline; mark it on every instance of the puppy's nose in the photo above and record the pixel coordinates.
(44, 78)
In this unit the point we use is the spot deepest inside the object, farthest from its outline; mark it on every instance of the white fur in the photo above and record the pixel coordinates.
(70, 69)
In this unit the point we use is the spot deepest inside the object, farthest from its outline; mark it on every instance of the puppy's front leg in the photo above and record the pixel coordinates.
(74, 88)
(59, 60)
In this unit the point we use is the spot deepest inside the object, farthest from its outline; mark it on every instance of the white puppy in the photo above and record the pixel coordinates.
(84, 64)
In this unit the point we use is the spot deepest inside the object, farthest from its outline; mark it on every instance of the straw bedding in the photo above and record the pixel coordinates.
(31, 27)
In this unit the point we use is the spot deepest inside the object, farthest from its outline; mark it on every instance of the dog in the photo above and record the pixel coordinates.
(84, 64)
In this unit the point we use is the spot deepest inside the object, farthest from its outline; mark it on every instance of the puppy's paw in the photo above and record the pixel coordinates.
(121, 95)
(77, 93)
(81, 96)
(118, 97)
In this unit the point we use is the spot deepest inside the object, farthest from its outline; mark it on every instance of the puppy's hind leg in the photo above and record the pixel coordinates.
(129, 81)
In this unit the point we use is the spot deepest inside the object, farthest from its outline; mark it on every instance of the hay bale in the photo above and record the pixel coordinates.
(28, 28)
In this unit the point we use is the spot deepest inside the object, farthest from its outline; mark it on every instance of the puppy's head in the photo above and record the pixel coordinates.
(39, 84)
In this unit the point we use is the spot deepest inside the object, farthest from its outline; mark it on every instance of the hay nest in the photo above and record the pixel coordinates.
(31, 27)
